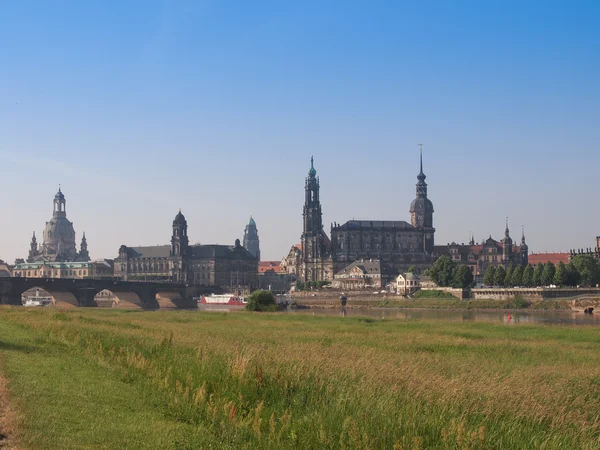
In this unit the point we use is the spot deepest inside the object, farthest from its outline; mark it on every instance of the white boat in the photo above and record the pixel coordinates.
(221, 299)
(37, 301)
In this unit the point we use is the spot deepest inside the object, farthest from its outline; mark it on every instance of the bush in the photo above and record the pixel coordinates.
(433, 294)
(261, 301)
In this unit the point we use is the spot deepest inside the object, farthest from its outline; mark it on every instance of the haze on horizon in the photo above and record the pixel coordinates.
(140, 108)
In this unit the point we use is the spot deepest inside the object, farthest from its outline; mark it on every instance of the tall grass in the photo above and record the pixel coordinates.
(272, 381)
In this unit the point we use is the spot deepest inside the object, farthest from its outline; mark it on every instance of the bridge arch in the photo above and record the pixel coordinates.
(59, 297)
(114, 298)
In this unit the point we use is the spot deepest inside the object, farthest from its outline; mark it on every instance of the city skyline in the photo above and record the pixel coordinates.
(215, 108)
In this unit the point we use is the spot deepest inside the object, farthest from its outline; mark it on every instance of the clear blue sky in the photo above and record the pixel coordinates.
(139, 108)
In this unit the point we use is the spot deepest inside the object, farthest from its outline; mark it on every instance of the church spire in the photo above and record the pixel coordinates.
(506, 230)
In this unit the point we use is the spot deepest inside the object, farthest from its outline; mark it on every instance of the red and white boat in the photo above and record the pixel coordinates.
(221, 299)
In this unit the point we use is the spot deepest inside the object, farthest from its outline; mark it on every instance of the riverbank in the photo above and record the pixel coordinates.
(90, 378)
(443, 303)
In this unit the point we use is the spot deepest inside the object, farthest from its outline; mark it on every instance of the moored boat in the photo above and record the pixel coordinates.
(221, 299)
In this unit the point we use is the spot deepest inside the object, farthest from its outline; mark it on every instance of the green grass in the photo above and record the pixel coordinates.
(179, 379)
(455, 303)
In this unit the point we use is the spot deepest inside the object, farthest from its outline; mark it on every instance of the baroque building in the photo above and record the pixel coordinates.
(395, 245)
(478, 257)
(59, 238)
(251, 241)
(209, 265)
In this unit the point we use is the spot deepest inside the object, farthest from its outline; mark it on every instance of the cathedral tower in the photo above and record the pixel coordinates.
(179, 239)
(421, 209)
(313, 236)
(33, 249)
(251, 241)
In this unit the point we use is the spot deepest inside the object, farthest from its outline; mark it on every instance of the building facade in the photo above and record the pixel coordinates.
(479, 257)
(59, 238)
(359, 275)
(397, 245)
(180, 262)
(251, 241)
(58, 269)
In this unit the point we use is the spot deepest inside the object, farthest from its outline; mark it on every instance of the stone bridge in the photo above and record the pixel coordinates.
(72, 292)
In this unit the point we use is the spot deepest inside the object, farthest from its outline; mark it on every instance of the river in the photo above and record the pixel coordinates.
(494, 316)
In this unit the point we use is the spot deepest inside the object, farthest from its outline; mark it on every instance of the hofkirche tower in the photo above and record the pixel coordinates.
(316, 266)
(421, 209)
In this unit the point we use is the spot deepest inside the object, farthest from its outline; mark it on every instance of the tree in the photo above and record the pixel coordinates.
(588, 269)
(573, 277)
(261, 301)
(527, 280)
(442, 271)
(426, 273)
(488, 278)
(500, 276)
(508, 277)
(517, 276)
(463, 277)
(412, 269)
(537, 275)
(548, 274)
(561, 275)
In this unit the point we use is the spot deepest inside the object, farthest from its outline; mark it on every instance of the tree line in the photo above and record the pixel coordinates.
(581, 270)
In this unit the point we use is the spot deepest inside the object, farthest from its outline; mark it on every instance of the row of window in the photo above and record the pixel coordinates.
(50, 273)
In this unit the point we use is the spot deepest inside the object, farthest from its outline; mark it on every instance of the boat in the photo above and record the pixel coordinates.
(36, 300)
(221, 299)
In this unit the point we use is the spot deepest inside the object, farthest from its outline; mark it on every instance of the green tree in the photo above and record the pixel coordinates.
(561, 275)
(588, 269)
(537, 275)
(508, 277)
(442, 271)
(463, 277)
(426, 273)
(500, 276)
(517, 276)
(488, 278)
(261, 301)
(548, 274)
(412, 269)
(573, 278)
(527, 280)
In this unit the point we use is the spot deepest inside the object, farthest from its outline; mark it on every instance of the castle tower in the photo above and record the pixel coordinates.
(313, 236)
(507, 244)
(179, 238)
(421, 209)
(251, 240)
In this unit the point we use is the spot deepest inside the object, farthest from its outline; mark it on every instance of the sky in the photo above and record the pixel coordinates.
(139, 108)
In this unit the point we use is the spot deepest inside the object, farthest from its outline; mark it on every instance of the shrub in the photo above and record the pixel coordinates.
(261, 301)
(433, 294)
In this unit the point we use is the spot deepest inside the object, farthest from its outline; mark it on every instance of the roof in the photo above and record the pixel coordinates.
(555, 258)
(154, 251)
(389, 224)
(210, 251)
(53, 265)
(266, 266)
(409, 276)
(367, 267)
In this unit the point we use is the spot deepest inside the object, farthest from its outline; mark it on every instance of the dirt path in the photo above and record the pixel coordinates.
(7, 417)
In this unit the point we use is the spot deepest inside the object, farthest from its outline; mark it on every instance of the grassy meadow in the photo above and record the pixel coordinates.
(85, 378)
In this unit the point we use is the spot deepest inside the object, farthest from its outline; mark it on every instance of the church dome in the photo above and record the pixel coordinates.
(312, 172)
(179, 219)
(59, 195)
